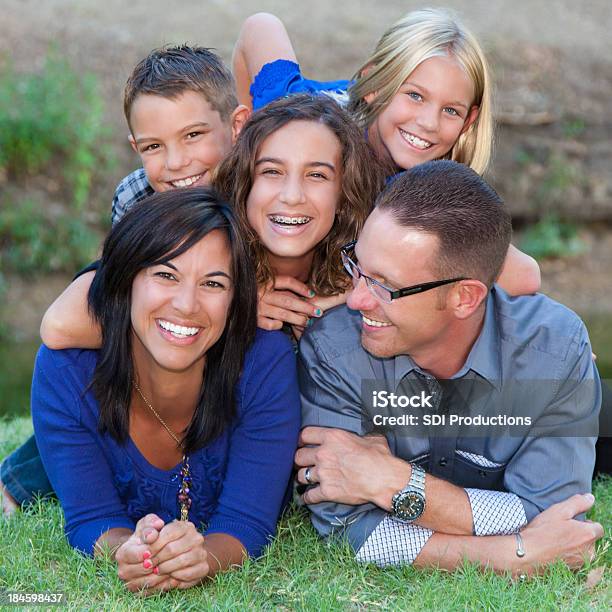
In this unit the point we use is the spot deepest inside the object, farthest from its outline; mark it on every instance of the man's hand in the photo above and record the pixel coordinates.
(347, 468)
(179, 553)
(134, 565)
(555, 534)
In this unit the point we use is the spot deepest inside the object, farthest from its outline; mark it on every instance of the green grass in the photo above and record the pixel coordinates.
(298, 571)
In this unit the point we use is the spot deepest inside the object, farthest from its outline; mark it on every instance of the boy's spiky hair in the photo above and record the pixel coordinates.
(170, 71)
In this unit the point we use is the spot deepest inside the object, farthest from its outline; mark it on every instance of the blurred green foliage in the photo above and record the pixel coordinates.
(52, 119)
(51, 130)
(559, 176)
(31, 243)
(552, 237)
(573, 127)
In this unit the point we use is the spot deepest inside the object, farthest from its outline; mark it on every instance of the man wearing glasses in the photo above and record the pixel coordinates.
(426, 323)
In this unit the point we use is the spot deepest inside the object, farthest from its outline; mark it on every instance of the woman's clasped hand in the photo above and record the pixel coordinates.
(159, 556)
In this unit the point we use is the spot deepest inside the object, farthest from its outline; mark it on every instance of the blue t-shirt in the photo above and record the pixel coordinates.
(283, 77)
(239, 479)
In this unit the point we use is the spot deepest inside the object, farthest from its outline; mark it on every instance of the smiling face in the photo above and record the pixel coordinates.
(427, 115)
(179, 308)
(295, 191)
(180, 140)
(398, 257)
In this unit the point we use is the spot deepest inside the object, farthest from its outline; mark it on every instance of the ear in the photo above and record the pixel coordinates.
(471, 117)
(132, 143)
(467, 296)
(369, 98)
(239, 117)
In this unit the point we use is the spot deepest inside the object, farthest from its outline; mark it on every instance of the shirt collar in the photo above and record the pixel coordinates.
(485, 356)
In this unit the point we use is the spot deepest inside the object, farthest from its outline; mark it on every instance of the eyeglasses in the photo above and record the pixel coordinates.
(380, 291)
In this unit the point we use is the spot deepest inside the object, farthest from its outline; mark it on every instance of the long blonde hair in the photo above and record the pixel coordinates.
(416, 37)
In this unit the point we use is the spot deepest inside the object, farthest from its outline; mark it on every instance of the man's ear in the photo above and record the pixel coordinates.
(132, 143)
(471, 117)
(238, 119)
(467, 296)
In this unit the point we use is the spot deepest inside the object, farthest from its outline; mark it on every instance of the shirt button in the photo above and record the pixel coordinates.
(443, 461)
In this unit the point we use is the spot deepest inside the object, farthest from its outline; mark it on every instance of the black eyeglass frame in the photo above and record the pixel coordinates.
(393, 294)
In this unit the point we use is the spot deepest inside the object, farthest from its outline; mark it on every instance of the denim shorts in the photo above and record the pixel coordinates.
(23, 474)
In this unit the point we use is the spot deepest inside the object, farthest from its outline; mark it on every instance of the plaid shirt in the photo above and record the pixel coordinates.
(133, 188)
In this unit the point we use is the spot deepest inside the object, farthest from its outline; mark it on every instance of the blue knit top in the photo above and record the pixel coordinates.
(239, 479)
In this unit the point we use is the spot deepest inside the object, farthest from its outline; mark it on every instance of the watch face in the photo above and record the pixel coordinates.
(409, 506)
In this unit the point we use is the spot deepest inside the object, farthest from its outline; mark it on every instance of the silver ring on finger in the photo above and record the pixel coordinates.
(307, 476)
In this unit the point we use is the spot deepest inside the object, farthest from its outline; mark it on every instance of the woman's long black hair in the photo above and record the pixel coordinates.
(159, 228)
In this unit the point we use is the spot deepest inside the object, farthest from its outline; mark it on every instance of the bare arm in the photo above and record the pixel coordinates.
(552, 535)
(224, 551)
(441, 537)
(112, 540)
(262, 39)
(67, 322)
(520, 274)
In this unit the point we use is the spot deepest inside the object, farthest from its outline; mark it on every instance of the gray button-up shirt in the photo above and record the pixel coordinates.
(532, 357)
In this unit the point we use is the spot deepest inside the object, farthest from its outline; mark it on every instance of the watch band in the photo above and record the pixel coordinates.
(417, 479)
(415, 488)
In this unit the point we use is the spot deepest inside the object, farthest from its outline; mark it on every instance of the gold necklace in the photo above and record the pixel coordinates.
(185, 473)
(146, 401)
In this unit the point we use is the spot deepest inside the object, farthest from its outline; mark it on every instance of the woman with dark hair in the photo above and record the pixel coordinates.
(185, 412)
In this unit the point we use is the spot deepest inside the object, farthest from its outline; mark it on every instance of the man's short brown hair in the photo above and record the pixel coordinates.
(170, 71)
(450, 201)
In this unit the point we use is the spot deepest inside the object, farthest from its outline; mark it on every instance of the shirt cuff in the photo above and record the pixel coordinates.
(496, 512)
(393, 542)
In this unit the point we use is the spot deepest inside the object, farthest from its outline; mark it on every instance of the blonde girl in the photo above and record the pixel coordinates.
(423, 94)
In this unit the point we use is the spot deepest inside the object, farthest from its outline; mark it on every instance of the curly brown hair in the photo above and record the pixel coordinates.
(362, 180)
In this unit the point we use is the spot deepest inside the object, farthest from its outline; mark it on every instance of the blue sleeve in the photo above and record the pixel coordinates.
(563, 444)
(262, 445)
(329, 401)
(71, 453)
(283, 77)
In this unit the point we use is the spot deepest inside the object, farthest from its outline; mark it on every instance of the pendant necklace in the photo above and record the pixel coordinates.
(183, 493)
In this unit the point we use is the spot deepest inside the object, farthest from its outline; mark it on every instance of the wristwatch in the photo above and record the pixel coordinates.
(409, 503)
